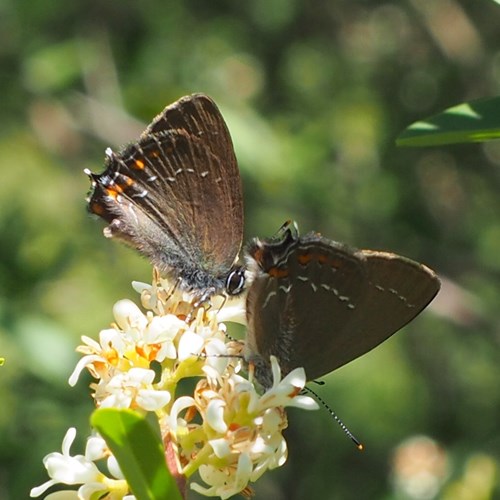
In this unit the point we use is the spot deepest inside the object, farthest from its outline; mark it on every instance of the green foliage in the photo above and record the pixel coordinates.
(476, 121)
(139, 453)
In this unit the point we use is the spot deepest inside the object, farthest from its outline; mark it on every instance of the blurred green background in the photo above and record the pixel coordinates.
(314, 93)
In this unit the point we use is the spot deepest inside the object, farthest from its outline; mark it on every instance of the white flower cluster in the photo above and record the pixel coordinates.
(237, 433)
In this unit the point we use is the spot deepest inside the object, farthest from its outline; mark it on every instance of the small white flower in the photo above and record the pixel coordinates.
(129, 316)
(285, 392)
(63, 468)
(102, 357)
(222, 485)
(80, 470)
(163, 330)
(133, 389)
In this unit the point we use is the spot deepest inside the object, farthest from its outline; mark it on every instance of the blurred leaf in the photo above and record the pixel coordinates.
(52, 67)
(476, 121)
(138, 451)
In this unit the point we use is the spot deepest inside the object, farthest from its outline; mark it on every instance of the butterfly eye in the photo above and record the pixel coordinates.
(235, 282)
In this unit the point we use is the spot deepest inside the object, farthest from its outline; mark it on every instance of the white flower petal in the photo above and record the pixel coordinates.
(117, 400)
(83, 363)
(217, 354)
(243, 472)
(92, 490)
(128, 315)
(215, 415)
(139, 286)
(152, 400)
(304, 402)
(296, 378)
(38, 490)
(179, 405)
(96, 448)
(64, 495)
(190, 345)
(114, 468)
(163, 328)
(68, 439)
(275, 368)
(167, 351)
(233, 309)
(211, 475)
(112, 338)
(139, 376)
(70, 470)
(208, 492)
(221, 447)
(91, 343)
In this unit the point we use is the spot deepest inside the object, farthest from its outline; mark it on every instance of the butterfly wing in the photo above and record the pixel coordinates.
(175, 195)
(325, 304)
(301, 308)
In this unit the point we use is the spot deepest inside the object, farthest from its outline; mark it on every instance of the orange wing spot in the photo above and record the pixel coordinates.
(234, 426)
(97, 208)
(305, 258)
(336, 263)
(257, 255)
(139, 164)
(113, 192)
(322, 258)
(276, 272)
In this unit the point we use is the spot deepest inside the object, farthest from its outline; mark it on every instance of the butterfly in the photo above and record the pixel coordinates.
(319, 304)
(175, 196)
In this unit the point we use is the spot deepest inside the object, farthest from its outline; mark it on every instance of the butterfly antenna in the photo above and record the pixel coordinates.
(325, 405)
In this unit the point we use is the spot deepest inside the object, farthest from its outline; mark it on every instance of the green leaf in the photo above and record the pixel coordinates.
(475, 121)
(139, 453)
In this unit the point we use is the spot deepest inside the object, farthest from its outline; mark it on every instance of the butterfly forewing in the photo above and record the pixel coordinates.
(175, 195)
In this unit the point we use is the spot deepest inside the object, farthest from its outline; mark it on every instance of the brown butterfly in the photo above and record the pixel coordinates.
(175, 196)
